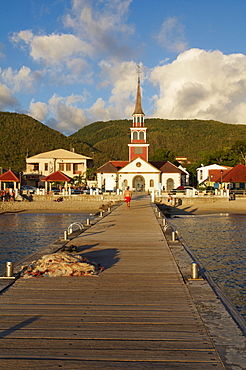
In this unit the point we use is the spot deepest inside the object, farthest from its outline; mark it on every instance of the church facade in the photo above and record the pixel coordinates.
(138, 172)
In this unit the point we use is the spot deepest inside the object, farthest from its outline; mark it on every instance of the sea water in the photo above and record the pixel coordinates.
(23, 234)
(219, 243)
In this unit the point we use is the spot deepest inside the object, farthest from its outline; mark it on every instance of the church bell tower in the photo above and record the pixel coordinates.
(138, 146)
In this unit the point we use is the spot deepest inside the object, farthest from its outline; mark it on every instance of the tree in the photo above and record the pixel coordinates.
(79, 180)
(163, 154)
(239, 148)
(91, 173)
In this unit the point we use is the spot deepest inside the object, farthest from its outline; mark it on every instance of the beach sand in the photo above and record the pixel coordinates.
(237, 206)
(49, 206)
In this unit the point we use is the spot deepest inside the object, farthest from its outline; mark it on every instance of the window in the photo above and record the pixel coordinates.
(35, 166)
(46, 166)
(138, 150)
(61, 166)
(68, 166)
(141, 135)
(151, 183)
(135, 135)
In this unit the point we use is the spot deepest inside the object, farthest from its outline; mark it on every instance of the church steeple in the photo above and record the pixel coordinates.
(138, 114)
(138, 146)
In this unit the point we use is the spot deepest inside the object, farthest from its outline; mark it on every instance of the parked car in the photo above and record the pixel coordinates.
(55, 190)
(28, 188)
(77, 191)
(184, 190)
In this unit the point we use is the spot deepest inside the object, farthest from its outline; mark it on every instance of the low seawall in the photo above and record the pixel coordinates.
(183, 199)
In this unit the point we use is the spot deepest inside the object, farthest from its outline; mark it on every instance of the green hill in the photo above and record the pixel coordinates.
(22, 136)
(186, 138)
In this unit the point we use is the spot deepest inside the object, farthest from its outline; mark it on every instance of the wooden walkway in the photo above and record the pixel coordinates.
(137, 314)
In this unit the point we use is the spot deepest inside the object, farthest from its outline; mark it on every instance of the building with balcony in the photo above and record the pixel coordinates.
(43, 164)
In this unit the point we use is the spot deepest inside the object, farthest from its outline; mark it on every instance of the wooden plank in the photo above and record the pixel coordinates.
(117, 355)
(107, 344)
(19, 332)
(23, 364)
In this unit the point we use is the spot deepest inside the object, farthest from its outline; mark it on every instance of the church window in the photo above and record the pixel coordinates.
(141, 135)
(151, 183)
(125, 184)
(135, 135)
(138, 164)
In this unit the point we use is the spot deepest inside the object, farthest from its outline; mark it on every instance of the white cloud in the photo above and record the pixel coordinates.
(53, 49)
(172, 35)
(102, 23)
(6, 98)
(38, 110)
(202, 84)
(68, 116)
(23, 79)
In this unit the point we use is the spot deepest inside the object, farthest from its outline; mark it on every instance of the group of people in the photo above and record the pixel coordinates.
(7, 195)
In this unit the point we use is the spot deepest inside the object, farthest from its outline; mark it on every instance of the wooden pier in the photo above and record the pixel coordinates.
(137, 314)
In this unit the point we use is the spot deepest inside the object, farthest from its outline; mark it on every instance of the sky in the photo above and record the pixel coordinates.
(68, 63)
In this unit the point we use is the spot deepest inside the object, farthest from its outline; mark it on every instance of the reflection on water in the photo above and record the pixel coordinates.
(23, 234)
(219, 243)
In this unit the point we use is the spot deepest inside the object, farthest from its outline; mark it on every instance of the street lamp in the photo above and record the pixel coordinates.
(221, 173)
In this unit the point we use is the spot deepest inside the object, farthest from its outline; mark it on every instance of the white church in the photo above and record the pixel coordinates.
(138, 172)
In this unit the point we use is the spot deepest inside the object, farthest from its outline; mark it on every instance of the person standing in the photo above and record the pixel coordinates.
(127, 197)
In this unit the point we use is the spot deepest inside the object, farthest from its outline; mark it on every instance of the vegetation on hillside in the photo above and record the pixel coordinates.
(199, 140)
(22, 136)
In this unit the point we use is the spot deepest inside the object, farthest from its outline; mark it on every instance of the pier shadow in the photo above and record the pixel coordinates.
(170, 211)
(19, 326)
(107, 258)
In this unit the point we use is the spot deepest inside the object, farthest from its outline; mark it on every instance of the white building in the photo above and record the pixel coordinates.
(139, 173)
(43, 164)
(203, 172)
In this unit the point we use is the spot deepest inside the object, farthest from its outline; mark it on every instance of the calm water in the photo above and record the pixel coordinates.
(23, 234)
(220, 245)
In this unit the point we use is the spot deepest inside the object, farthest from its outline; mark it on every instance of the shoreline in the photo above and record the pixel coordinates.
(47, 206)
(237, 206)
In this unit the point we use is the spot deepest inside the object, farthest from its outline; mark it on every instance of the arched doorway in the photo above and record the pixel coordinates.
(170, 184)
(138, 183)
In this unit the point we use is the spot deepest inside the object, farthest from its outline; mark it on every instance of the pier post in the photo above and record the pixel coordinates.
(88, 222)
(194, 270)
(9, 269)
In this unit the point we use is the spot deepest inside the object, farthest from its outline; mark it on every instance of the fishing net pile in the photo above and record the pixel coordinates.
(60, 264)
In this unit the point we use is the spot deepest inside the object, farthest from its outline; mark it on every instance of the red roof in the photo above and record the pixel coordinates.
(9, 176)
(235, 174)
(112, 166)
(56, 176)
(166, 167)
